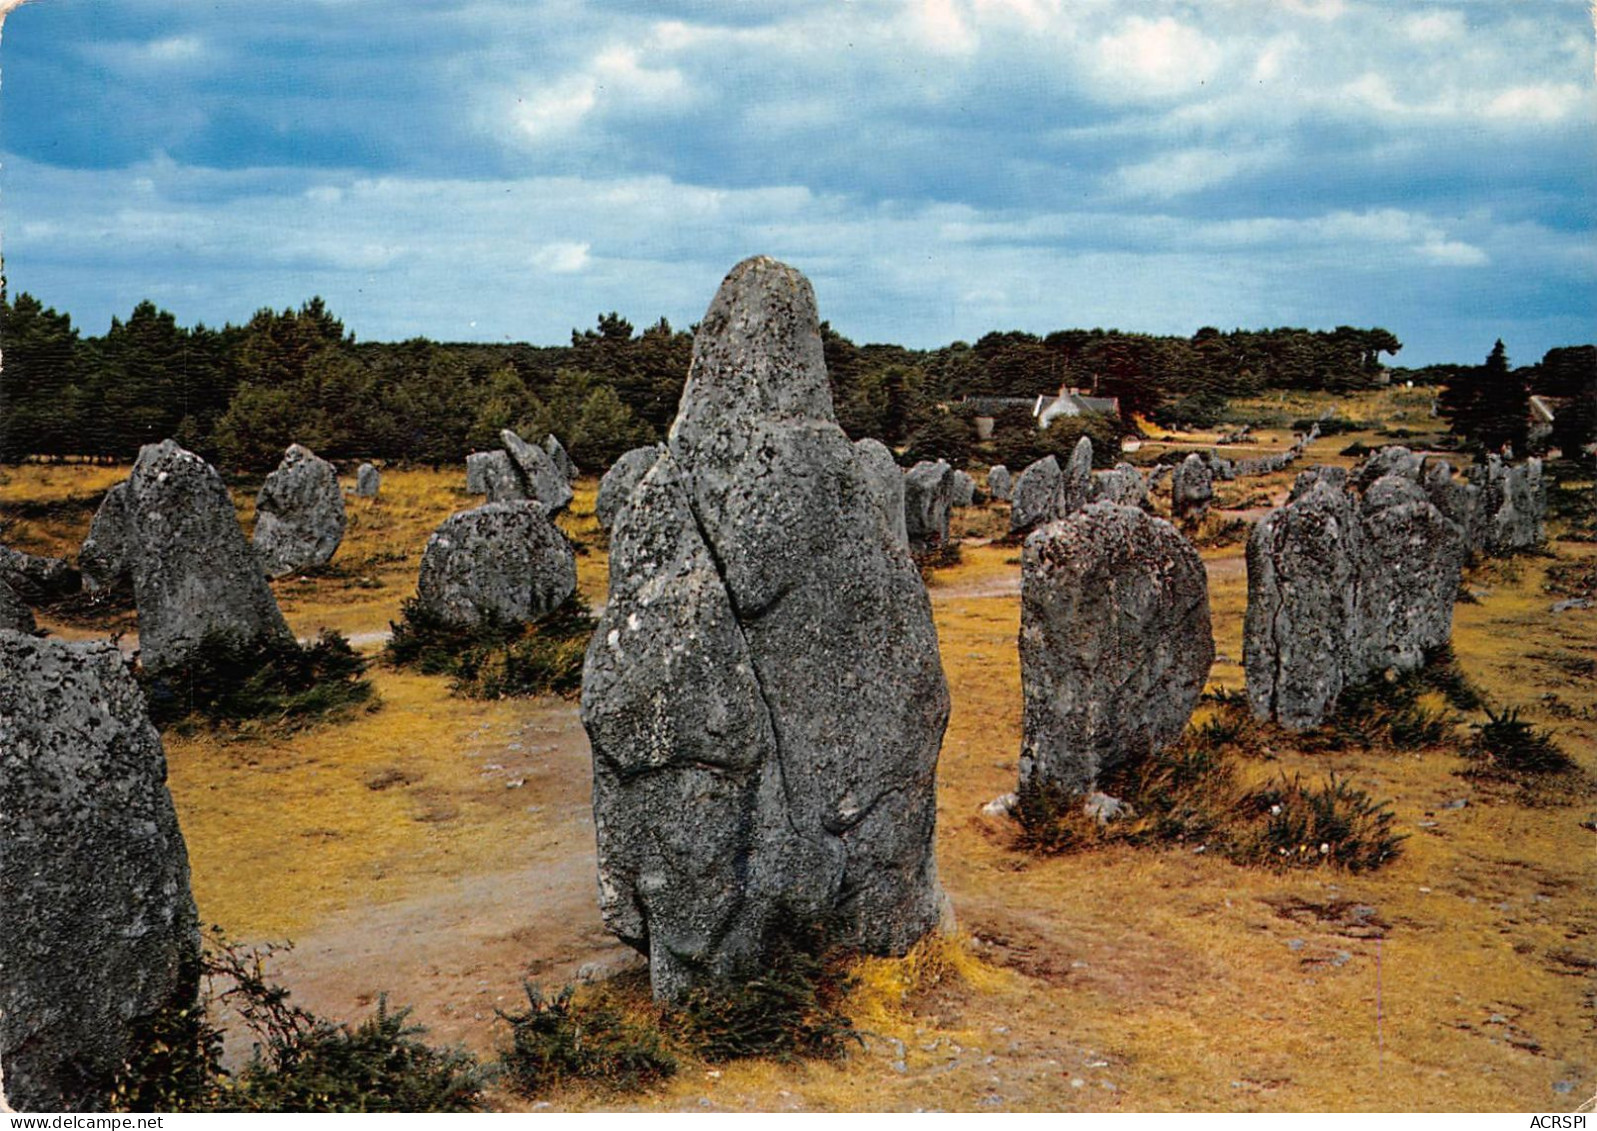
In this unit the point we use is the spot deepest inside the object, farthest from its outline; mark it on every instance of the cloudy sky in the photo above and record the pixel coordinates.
(498, 169)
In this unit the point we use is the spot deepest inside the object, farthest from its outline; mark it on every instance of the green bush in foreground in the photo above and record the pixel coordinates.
(280, 682)
(494, 659)
(1510, 745)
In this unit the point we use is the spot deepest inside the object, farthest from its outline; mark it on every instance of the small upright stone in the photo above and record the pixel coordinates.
(1411, 557)
(101, 933)
(1390, 460)
(964, 493)
(928, 498)
(1301, 625)
(1191, 488)
(106, 556)
(368, 481)
(999, 482)
(38, 580)
(556, 451)
(299, 514)
(617, 485)
(494, 474)
(1035, 496)
(1124, 485)
(194, 576)
(542, 480)
(887, 484)
(1075, 482)
(1115, 643)
(1458, 500)
(502, 563)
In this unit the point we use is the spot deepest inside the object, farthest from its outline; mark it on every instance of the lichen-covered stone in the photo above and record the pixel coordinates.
(1390, 460)
(1411, 557)
(617, 485)
(1075, 480)
(1123, 485)
(763, 695)
(887, 483)
(540, 477)
(299, 514)
(964, 490)
(101, 934)
(494, 475)
(928, 499)
(556, 451)
(1301, 625)
(1191, 488)
(14, 611)
(1115, 643)
(368, 481)
(38, 580)
(1457, 499)
(106, 556)
(999, 482)
(501, 562)
(194, 576)
(1036, 495)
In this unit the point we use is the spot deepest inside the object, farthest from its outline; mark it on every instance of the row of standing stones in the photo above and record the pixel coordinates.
(766, 661)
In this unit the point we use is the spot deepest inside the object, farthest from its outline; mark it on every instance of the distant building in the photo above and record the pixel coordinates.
(1044, 409)
(1542, 411)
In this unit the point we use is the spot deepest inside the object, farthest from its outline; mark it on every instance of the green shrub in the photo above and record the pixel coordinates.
(1333, 823)
(1195, 410)
(493, 659)
(281, 682)
(1019, 447)
(558, 1041)
(1329, 426)
(792, 1009)
(1510, 745)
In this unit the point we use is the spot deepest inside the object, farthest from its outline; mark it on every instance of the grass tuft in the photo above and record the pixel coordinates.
(1298, 826)
(1509, 745)
(558, 1040)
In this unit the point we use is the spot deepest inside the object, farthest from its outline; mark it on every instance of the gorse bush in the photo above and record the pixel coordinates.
(1510, 745)
(1298, 826)
(300, 1063)
(558, 1041)
(494, 659)
(1392, 708)
(279, 682)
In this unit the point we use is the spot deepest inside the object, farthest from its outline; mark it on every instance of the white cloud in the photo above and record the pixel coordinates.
(562, 258)
(1184, 171)
(1453, 253)
(1155, 58)
(1435, 27)
(555, 111)
(1542, 102)
(615, 77)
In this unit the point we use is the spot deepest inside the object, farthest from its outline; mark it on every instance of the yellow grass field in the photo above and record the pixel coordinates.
(441, 850)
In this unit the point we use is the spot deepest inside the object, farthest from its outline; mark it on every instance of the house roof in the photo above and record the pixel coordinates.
(1099, 406)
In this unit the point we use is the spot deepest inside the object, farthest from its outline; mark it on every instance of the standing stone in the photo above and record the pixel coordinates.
(1458, 500)
(299, 514)
(542, 480)
(101, 932)
(928, 498)
(1124, 485)
(36, 579)
(556, 451)
(14, 611)
(1336, 478)
(1191, 488)
(1075, 483)
(999, 482)
(767, 663)
(887, 484)
(1035, 495)
(1115, 643)
(494, 474)
(500, 563)
(1411, 557)
(1390, 460)
(1301, 623)
(368, 481)
(616, 488)
(106, 556)
(194, 576)
(964, 492)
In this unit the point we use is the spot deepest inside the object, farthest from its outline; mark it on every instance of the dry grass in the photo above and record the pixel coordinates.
(1157, 979)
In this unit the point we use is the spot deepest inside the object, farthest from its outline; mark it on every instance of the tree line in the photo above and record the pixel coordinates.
(240, 394)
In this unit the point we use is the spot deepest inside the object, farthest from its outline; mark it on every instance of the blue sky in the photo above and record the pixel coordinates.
(496, 169)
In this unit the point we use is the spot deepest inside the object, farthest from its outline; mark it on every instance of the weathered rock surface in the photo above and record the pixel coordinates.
(299, 514)
(368, 481)
(556, 451)
(1513, 504)
(1411, 557)
(101, 932)
(1075, 480)
(964, 492)
(542, 479)
(928, 498)
(194, 576)
(1457, 499)
(494, 474)
(1336, 478)
(1115, 643)
(1191, 488)
(766, 663)
(503, 562)
(14, 611)
(1035, 496)
(1123, 485)
(617, 485)
(106, 556)
(887, 484)
(38, 580)
(1390, 460)
(999, 482)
